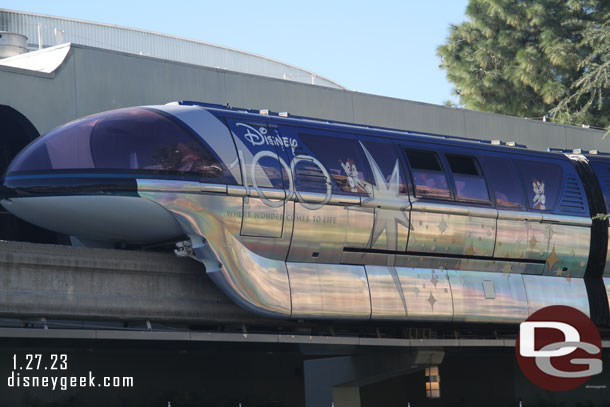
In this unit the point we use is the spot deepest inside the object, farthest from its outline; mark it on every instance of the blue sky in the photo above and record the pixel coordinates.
(381, 47)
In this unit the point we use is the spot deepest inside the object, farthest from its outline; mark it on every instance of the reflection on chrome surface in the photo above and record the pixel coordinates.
(300, 219)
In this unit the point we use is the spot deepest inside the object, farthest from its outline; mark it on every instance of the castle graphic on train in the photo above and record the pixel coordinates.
(303, 218)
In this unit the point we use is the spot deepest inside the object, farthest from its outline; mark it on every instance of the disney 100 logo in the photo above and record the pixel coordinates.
(260, 137)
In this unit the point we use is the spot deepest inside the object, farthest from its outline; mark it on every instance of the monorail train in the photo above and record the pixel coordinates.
(301, 218)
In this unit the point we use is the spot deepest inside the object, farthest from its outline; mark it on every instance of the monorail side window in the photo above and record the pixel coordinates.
(385, 157)
(428, 176)
(344, 160)
(542, 182)
(504, 182)
(257, 146)
(469, 182)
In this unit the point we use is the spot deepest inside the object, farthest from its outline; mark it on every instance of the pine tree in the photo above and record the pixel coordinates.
(589, 98)
(526, 57)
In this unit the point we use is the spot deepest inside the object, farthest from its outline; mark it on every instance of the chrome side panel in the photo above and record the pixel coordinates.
(254, 272)
(318, 235)
(260, 219)
(543, 291)
(452, 229)
(537, 245)
(522, 235)
(359, 227)
(329, 291)
(419, 294)
(254, 282)
(569, 250)
(562, 241)
(511, 241)
(276, 244)
(488, 297)
(427, 294)
(387, 298)
(272, 248)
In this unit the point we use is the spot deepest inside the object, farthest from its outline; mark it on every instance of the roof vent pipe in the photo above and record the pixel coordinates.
(12, 44)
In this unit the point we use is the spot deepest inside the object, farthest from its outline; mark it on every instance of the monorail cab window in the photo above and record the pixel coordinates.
(146, 140)
(428, 175)
(470, 185)
(126, 140)
(504, 182)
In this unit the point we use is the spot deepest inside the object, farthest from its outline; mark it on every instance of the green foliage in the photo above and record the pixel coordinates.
(589, 98)
(527, 57)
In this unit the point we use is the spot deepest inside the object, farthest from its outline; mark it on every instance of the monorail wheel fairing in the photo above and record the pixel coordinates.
(298, 218)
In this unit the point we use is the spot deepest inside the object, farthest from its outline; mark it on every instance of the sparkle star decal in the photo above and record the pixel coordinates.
(431, 300)
(552, 260)
(442, 226)
(386, 220)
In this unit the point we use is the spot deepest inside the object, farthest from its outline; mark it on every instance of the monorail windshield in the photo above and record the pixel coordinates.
(133, 139)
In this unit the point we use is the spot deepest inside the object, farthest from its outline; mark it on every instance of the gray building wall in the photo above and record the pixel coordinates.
(92, 80)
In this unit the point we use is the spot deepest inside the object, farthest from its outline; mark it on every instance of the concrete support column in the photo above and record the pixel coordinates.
(336, 381)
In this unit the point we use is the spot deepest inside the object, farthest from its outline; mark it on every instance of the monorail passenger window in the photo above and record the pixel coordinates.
(428, 176)
(504, 182)
(469, 182)
(309, 177)
(385, 157)
(256, 144)
(542, 182)
(344, 160)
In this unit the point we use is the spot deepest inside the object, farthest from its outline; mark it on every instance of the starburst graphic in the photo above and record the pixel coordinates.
(386, 220)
